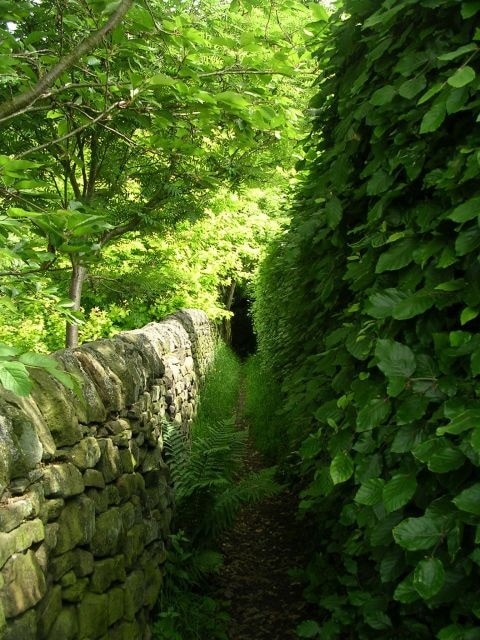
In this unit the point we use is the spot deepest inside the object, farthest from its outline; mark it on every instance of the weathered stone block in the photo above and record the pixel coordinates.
(116, 605)
(76, 524)
(83, 563)
(134, 590)
(110, 463)
(14, 512)
(99, 499)
(128, 515)
(20, 539)
(106, 572)
(93, 616)
(24, 584)
(22, 628)
(51, 509)
(75, 591)
(68, 579)
(134, 544)
(62, 480)
(58, 408)
(65, 626)
(126, 631)
(129, 461)
(49, 610)
(93, 478)
(113, 495)
(108, 533)
(86, 453)
(153, 584)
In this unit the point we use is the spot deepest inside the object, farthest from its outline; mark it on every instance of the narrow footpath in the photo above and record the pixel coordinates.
(266, 542)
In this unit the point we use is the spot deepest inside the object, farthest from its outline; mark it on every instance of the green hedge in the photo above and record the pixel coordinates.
(368, 315)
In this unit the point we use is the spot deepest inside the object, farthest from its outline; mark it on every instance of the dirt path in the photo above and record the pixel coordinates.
(265, 543)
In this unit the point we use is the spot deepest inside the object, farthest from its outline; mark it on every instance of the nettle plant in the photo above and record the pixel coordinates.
(378, 320)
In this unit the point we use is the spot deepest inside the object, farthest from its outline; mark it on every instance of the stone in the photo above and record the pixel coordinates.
(129, 461)
(116, 605)
(22, 628)
(153, 584)
(83, 563)
(110, 463)
(113, 494)
(75, 591)
(49, 610)
(127, 512)
(108, 533)
(51, 509)
(14, 512)
(93, 478)
(134, 590)
(42, 557)
(122, 439)
(107, 571)
(24, 586)
(86, 453)
(126, 631)
(134, 544)
(68, 579)
(62, 480)
(76, 524)
(127, 486)
(92, 618)
(51, 534)
(152, 530)
(65, 626)
(20, 539)
(118, 426)
(58, 408)
(99, 499)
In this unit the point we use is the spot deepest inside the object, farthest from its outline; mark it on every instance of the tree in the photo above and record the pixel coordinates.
(171, 105)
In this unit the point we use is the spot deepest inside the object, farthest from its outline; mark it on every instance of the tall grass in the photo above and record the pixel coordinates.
(262, 403)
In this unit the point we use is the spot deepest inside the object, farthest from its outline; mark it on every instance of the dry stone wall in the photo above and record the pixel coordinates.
(85, 503)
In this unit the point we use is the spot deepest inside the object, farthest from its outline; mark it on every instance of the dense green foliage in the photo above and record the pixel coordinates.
(368, 320)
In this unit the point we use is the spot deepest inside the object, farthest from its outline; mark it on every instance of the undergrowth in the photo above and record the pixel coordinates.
(209, 488)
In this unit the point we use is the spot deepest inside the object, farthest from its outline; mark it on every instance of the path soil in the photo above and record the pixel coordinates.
(266, 542)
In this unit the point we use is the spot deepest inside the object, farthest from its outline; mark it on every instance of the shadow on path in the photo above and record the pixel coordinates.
(264, 544)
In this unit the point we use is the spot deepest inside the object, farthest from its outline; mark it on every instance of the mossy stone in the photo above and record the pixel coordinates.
(25, 584)
(116, 605)
(134, 593)
(107, 571)
(65, 626)
(49, 610)
(62, 480)
(86, 453)
(75, 591)
(76, 524)
(108, 533)
(22, 628)
(20, 539)
(92, 618)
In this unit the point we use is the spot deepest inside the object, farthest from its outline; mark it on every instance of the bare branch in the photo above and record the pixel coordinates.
(19, 102)
(71, 133)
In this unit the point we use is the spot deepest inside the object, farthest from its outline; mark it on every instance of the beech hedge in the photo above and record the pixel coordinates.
(368, 315)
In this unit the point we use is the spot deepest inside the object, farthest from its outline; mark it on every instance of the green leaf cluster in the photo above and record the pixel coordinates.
(367, 315)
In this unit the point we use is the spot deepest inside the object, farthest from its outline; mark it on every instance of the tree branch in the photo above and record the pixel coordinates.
(18, 103)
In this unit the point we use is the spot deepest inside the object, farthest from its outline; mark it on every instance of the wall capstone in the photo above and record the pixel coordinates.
(85, 504)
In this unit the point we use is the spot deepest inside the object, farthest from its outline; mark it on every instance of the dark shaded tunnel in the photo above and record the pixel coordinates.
(243, 339)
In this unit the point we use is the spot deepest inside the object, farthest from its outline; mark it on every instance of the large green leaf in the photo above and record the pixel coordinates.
(463, 421)
(429, 577)
(14, 377)
(341, 468)
(440, 455)
(370, 492)
(397, 257)
(462, 76)
(382, 304)
(466, 211)
(373, 414)
(469, 499)
(398, 491)
(395, 359)
(434, 118)
(417, 533)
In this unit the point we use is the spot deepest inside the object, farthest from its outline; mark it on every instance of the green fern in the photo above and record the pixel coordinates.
(205, 474)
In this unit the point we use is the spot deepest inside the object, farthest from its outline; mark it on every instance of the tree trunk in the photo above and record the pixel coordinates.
(79, 273)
